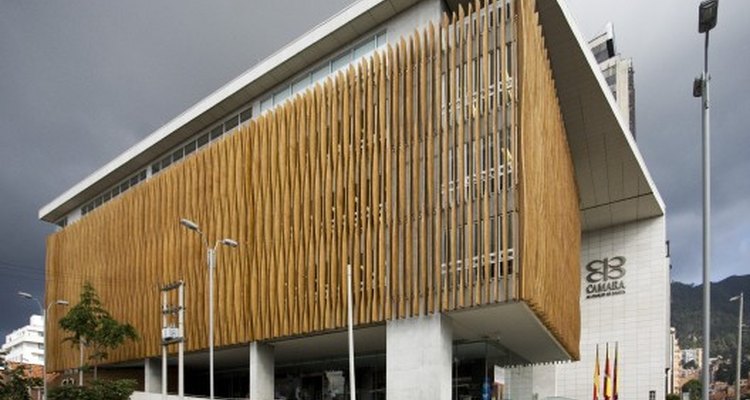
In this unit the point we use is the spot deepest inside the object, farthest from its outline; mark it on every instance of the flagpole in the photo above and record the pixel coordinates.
(615, 395)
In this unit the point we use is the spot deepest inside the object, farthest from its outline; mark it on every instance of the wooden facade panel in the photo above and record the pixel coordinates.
(548, 209)
(402, 166)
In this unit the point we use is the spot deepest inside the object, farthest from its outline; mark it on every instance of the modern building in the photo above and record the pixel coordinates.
(25, 345)
(625, 290)
(618, 73)
(464, 159)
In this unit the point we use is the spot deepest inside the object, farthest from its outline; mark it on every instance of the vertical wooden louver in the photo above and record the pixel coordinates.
(416, 166)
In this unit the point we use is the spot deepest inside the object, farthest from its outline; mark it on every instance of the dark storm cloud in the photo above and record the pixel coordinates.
(667, 51)
(81, 81)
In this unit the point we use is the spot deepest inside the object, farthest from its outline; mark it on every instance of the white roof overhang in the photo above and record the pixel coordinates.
(614, 184)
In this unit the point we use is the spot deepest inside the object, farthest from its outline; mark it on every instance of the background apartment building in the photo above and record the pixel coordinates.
(25, 345)
(618, 73)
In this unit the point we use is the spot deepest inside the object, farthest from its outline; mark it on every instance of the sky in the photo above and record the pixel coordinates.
(82, 81)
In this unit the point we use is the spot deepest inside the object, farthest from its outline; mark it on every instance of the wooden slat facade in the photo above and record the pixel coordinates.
(429, 167)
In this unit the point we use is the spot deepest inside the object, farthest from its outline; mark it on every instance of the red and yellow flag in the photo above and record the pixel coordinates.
(607, 378)
(596, 375)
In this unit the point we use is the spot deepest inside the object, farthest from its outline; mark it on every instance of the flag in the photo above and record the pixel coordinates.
(607, 378)
(615, 395)
(596, 375)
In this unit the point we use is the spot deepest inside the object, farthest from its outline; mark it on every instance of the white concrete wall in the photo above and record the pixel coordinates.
(154, 396)
(419, 355)
(152, 375)
(637, 320)
(261, 371)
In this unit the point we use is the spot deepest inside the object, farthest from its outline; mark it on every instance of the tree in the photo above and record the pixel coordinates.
(109, 335)
(92, 326)
(693, 387)
(15, 384)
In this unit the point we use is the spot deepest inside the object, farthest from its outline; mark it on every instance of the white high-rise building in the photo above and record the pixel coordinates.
(26, 345)
(618, 73)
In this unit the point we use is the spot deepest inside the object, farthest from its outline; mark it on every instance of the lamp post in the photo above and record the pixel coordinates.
(211, 266)
(707, 13)
(350, 331)
(737, 387)
(44, 338)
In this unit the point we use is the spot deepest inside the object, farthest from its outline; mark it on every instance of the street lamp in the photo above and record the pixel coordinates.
(211, 266)
(44, 338)
(707, 16)
(739, 297)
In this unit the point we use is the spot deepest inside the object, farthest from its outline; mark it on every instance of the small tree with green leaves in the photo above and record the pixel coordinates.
(92, 327)
(694, 388)
(109, 335)
(15, 383)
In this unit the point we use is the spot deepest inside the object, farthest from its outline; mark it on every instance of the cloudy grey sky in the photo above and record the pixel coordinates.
(81, 81)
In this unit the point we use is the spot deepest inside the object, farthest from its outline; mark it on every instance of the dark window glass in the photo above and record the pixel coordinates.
(177, 155)
(216, 132)
(246, 115)
(202, 140)
(155, 167)
(189, 148)
(230, 123)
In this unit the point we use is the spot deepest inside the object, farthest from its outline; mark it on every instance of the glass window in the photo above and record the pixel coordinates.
(126, 185)
(381, 40)
(216, 132)
(177, 155)
(202, 140)
(155, 167)
(281, 95)
(246, 114)
(364, 48)
(115, 191)
(231, 123)
(166, 162)
(320, 73)
(301, 84)
(190, 147)
(266, 104)
(341, 61)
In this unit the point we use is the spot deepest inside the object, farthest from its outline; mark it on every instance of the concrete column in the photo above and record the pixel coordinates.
(152, 375)
(261, 371)
(419, 355)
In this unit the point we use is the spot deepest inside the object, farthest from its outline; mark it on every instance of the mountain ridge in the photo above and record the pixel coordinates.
(687, 314)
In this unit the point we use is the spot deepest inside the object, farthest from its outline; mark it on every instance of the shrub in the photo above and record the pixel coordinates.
(96, 390)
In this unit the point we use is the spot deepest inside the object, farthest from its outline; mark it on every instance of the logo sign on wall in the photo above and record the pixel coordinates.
(604, 277)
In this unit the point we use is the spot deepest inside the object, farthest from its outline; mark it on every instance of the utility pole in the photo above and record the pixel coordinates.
(173, 333)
